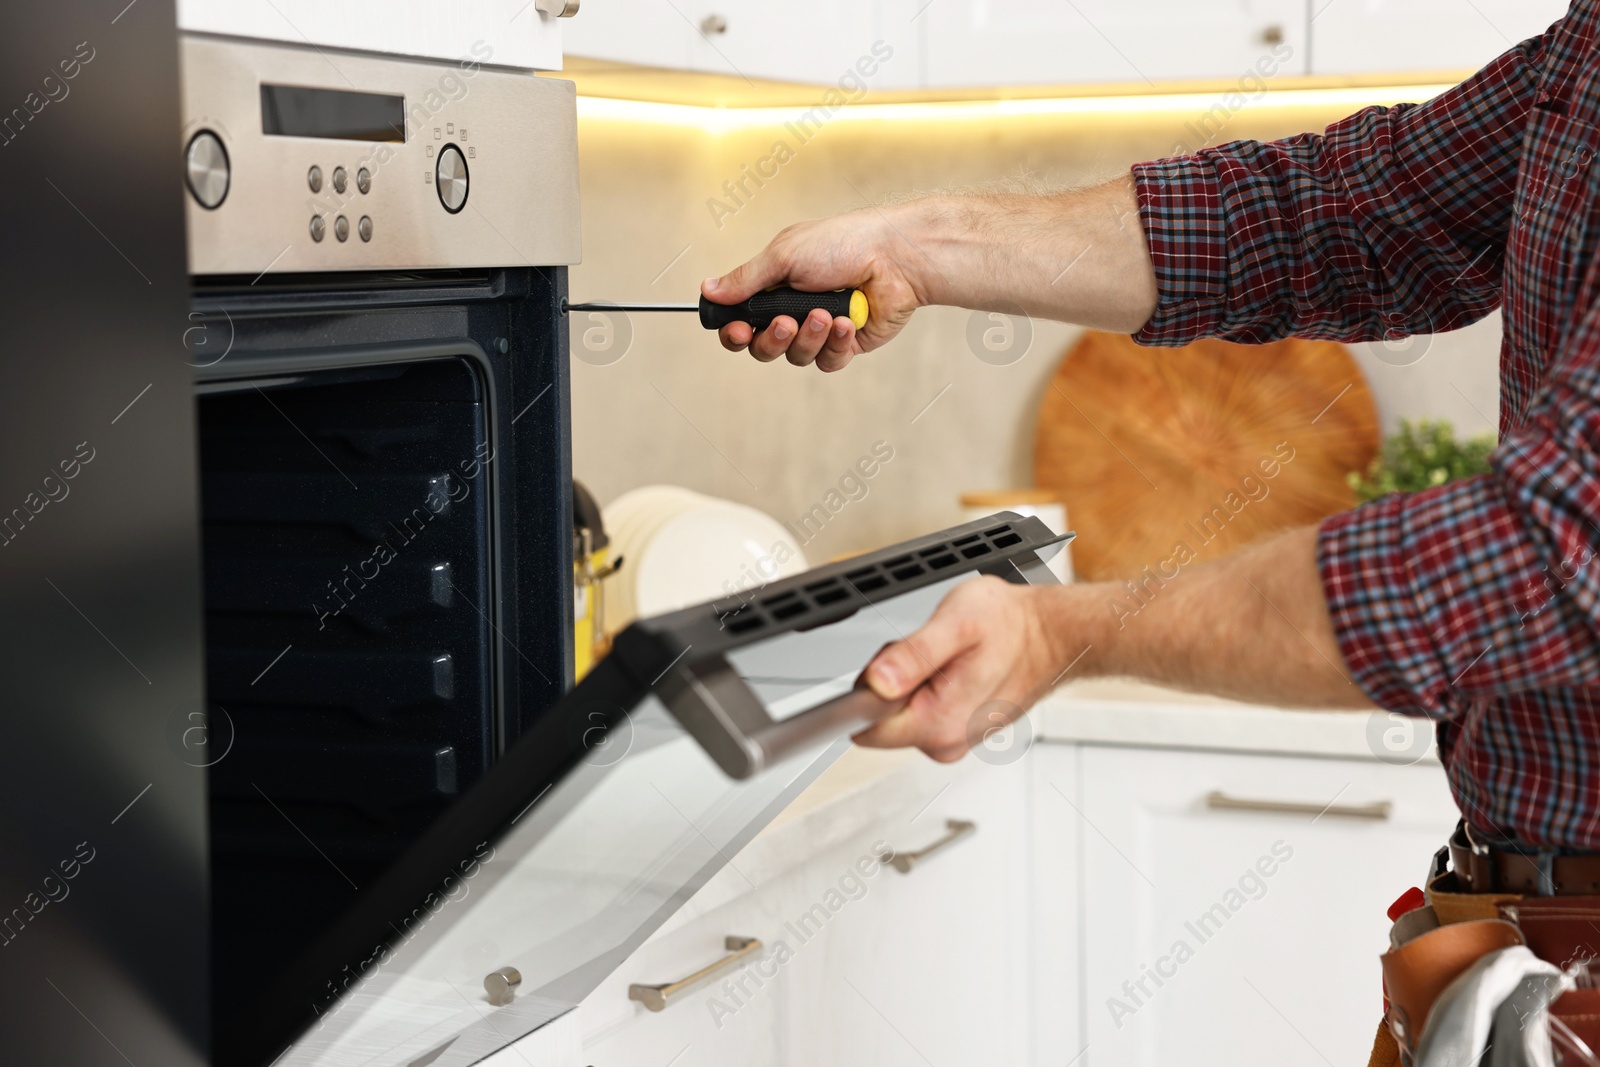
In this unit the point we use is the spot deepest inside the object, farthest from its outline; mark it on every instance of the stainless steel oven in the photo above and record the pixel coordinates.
(377, 250)
(424, 844)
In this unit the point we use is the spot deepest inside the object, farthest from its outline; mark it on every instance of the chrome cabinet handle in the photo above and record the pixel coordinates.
(661, 997)
(1379, 810)
(957, 829)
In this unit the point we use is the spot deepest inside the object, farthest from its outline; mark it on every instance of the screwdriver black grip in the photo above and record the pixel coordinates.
(761, 309)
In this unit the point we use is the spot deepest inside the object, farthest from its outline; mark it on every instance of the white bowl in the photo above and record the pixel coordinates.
(709, 552)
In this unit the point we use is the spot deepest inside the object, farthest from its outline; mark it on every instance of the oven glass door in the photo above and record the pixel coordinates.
(596, 865)
(591, 863)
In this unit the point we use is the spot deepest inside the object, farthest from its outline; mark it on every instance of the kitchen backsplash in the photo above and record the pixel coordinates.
(671, 195)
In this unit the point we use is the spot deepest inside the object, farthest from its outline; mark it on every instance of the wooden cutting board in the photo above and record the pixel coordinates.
(1203, 448)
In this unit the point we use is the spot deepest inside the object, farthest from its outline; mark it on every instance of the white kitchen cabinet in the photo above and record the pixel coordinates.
(1209, 929)
(646, 34)
(1054, 860)
(1028, 941)
(933, 967)
(858, 47)
(824, 42)
(502, 33)
(930, 966)
(1384, 36)
(974, 44)
(1044, 42)
(951, 44)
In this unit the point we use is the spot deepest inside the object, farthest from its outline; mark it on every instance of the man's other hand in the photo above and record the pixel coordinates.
(988, 641)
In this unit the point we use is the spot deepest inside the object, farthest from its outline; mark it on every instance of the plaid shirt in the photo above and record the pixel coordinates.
(1476, 604)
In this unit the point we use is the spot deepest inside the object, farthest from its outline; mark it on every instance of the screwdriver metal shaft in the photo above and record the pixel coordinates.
(759, 310)
(602, 306)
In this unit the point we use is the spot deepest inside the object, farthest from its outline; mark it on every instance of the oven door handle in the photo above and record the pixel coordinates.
(720, 710)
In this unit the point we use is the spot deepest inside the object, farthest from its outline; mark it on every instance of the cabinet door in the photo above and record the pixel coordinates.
(1054, 856)
(823, 42)
(1042, 42)
(1384, 36)
(861, 963)
(632, 31)
(1209, 928)
(932, 965)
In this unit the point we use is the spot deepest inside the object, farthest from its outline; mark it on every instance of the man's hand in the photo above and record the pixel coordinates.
(1252, 626)
(1078, 257)
(858, 250)
(988, 641)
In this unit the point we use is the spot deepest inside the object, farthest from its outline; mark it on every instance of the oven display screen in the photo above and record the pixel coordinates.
(296, 111)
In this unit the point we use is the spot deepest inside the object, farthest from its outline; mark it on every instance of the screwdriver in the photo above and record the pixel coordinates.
(759, 310)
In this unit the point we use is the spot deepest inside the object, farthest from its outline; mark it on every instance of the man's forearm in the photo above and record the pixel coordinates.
(1078, 257)
(1253, 626)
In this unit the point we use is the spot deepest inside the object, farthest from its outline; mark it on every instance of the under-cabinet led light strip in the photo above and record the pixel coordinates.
(728, 119)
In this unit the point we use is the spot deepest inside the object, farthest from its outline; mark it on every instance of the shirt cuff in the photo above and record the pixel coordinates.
(1438, 598)
(1180, 205)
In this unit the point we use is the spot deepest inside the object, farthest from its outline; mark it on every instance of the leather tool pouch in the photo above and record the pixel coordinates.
(1564, 931)
(1419, 970)
(1559, 930)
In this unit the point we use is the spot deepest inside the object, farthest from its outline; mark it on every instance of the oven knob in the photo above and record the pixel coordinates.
(206, 164)
(451, 175)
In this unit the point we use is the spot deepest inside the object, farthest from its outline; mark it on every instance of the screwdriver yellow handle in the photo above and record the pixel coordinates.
(761, 309)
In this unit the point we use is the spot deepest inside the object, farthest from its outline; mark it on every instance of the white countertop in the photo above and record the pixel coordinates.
(1115, 712)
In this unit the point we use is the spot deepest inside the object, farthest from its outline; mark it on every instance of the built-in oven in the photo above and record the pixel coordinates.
(424, 844)
(377, 250)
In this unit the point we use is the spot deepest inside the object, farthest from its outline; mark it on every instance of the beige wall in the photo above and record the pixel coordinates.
(677, 408)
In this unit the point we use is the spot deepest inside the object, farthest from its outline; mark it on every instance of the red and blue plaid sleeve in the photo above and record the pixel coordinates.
(1393, 222)
(1486, 587)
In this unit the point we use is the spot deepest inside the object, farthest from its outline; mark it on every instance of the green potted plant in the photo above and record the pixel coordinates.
(1422, 455)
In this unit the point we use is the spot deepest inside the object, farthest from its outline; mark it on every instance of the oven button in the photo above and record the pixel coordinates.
(314, 178)
(364, 180)
(340, 179)
(206, 164)
(318, 227)
(451, 172)
(364, 227)
(341, 228)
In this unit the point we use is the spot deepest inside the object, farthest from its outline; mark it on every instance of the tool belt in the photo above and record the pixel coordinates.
(1491, 897)
(1482, 867)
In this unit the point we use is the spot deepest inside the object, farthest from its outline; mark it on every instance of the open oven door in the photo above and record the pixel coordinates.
(626, 797)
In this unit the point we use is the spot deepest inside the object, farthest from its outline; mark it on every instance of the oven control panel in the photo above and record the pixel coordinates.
(304, 159)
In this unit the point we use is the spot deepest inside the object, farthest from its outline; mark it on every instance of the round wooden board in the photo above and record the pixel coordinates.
(1206, 447)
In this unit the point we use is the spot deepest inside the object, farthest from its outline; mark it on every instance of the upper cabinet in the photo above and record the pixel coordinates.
(950, 44)
(501, 33)
(628, 31)
(974, 43)
(1401, 36)
(824, 42)
(962, 45)
(820, 41)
